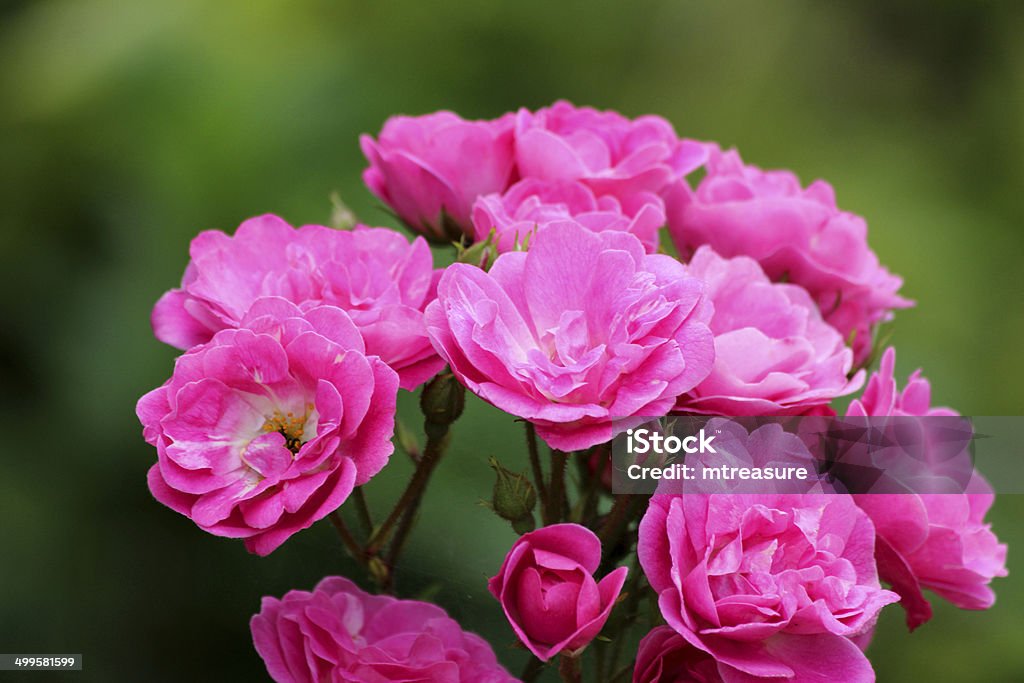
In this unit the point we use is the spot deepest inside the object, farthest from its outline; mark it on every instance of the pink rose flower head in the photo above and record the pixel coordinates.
(664, 656)
(774, 355)
(429, 169)
(611, 154)
(581, 329)
(341, 633)
(531, 204)
(547, 589)
(374, 274)
(267, 428)
(931, 540)
(761, 581)
(796, 234)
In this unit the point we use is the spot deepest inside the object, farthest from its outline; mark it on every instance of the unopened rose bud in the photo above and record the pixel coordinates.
(379, 571)
(514, 498)
(556, 611)
(442, 402)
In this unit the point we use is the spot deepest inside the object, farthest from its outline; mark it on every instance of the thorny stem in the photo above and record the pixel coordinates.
(590, 479)
(556, 489)
(531, 670)
(538, 473)
(364, 510)
(442, 403)
(413, 493)
(409, 516)
(353, 547)
(627, 613)
(616, 521)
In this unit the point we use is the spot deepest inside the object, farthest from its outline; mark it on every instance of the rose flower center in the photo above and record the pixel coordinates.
(289, 425)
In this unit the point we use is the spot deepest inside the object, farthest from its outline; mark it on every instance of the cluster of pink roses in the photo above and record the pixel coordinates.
(297, 341)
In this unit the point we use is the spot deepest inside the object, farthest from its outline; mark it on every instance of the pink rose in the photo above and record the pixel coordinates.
(583, 328)
(340, 633)
(796, 234)
(374, 274)
(431, 168)
(267, 428)
(531, 204)
(761, 581)
(611, 154)
(935, 541)
(547, 589)
(774, 355)
(664, 656)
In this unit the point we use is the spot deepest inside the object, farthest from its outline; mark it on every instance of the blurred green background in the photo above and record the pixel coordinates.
(125, 128)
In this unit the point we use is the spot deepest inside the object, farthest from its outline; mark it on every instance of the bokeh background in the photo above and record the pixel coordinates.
(125, 128)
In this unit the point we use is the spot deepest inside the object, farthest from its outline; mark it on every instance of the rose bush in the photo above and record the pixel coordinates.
(298, 339)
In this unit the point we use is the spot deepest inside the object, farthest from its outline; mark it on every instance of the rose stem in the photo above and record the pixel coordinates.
(413, 492)
(556, 489)
(364, 511)
(538, 473)
(590, 482)
(616, 521)
(353, 547)
(404, 527)
(569, 669)
(441, 403)
(532, 669)
(627, 615)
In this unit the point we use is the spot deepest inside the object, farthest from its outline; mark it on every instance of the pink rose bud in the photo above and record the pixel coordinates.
(430, 169)
(340, 633)
(547, 589)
